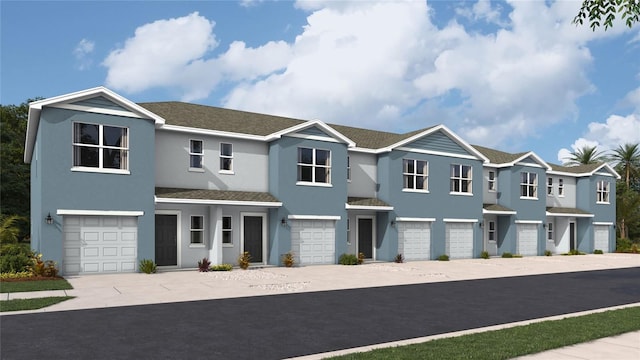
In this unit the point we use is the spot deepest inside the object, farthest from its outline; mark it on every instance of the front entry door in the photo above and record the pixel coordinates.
(365, 237)
(166, 240)
(253, 237)
(572, 236)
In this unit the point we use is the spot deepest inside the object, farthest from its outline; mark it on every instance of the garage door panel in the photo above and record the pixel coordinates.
(601, 238)
(527, 239)
(414, 239)
(459, 240)
(313, 241)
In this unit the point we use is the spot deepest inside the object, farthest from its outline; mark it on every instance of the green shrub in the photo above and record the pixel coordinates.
(16, 275)
(15, 258)
(244, 260)
(288, 260)
(575, 252)
(148, 266)
(547, 253)
(507, 255)
(598, 251)
(203, 265)
(623, 245)
(42, 268)
(517, 255)
(399, 259)
(484, 254)
(443, 257)
(221, 267)
(348, 259)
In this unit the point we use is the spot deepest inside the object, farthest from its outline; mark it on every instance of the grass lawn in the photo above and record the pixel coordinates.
(37, 285)
(31, 304)
(516, 341)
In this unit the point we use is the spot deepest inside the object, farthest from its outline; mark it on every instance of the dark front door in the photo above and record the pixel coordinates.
(252, 230)
(166, 240)
(365, 237)
(572, 236)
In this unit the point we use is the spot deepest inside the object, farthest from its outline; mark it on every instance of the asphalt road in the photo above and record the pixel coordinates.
(280, 326)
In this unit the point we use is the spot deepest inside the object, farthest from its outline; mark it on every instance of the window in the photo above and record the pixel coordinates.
(550, 231)
(348, 168)
(226, 157)
(226, 231)
(416, 174)
(529, 185)
(314, 166)
(100, 147)
(492, 231)
(491, 184)
(195, 154)
(461, 179)
(550, 186)
(560, 187)
(602, 190)
(197, 230)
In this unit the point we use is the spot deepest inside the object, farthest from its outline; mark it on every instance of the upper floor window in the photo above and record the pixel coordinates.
(528, 185)
(348, 168)
(560, 187)
(415, 174)
(227, 240)
(461, 179)
(491, 183)
(314, 166)
(195, 154)
(602, 189)
(197, 230)
(550, 186)
(100, 147)
(226, 157)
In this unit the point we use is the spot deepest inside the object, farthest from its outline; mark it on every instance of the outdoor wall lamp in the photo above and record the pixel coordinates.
(48, 219)
(283, 222)
(393, 223)
(480, 224)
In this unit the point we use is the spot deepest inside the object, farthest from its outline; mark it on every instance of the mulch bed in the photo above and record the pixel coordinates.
(33, 278)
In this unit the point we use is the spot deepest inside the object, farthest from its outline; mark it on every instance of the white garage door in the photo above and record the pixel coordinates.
(100, 244)
(527, 239)
(414, 240)
(459, 240)
(601, 238)
(313, 241)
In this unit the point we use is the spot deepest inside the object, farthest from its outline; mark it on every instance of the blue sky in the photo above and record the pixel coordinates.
(514, 75)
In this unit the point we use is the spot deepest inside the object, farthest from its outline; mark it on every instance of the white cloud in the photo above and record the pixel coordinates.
(482, 10)
(82, 52)
(564, 155)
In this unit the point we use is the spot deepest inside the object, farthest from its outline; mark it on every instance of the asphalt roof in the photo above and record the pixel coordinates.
(360, 201)
(497, 156)
(496, 207)
(566, 210)
(222, 195)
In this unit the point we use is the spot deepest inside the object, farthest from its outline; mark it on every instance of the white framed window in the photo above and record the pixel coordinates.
(549, 186)
(550, 231)
(560, 187)
(461, 179)
(226, 157)
(602, 191)
(491, 183)
(348, 168)
(491, 232)
(528, 185)
(227, 239)
(101, 148)
(314, 166)
(196, 154)
(197, 230)
(415, 174)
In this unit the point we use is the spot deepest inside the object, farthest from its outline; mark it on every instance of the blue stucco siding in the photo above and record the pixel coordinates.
(315, 131)
(300, 199)
(100, 102)
(440, 142)
(58, 187)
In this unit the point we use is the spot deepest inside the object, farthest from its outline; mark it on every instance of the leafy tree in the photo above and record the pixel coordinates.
(15, 174)
(585, 156)
(627, 211)
(603, 12)
(10, 228)
(627, 157)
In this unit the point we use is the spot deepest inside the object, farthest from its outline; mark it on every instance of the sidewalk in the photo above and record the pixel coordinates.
(111, 290)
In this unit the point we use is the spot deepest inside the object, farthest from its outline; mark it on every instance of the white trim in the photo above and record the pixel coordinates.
(218, 133)
(364, 150)
(307, 124)
(612, 172)
(99, 212)
(460, 193)
(178, 215)
(415, 190)
(528, 221)
(499, 212)
(100, 170)
(460, 220)
(309, 183)
(414, 219)
(313, 137)
(368, 207)
(97, 110)
(265, 233)
(216, 202)
(602, 223)
(433, 152)
(550, 214)
(527, 197)
(313, 217)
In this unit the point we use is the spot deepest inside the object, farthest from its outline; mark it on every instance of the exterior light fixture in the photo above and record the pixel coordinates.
(283, 222)
(48, 219)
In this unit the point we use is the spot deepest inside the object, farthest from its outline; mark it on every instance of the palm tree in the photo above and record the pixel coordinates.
(9, 228)
(628, 158)
(585, 156)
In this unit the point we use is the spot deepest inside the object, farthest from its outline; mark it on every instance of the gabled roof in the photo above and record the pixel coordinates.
(497, 209)
(583, 170)
(504, 159)
(66, 101)
(204, 196)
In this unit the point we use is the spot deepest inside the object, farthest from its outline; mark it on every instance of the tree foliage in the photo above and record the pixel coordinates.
(15, 174)
(585, 156)
(604, 12)
(627, 157)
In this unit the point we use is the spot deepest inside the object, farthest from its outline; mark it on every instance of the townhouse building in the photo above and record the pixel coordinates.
(114, 182)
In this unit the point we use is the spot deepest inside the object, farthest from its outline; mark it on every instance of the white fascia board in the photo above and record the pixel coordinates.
(313, 217)
(314, 137)
(460, 220)
(199, 131)
(569, 215)
(368, 207)
(498, 212)
(216, 202)
(439, 153)
(99, 212)
(602, 223)
(365, 150)
(98, 110)
(414, 219)
(538, 159)
(612, 171)
(528, 221)
(309, 124)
